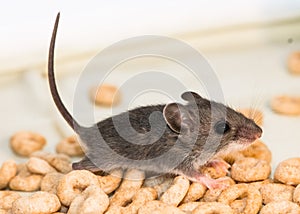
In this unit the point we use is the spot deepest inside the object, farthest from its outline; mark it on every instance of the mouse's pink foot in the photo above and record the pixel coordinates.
(219, 165)
(210, 183)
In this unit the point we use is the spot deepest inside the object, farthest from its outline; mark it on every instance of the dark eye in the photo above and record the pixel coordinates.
(222, 127)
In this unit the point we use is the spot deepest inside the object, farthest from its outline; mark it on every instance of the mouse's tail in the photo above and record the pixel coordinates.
(51, 78)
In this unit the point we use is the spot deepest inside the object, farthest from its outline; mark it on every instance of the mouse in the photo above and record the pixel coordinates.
(181, 138)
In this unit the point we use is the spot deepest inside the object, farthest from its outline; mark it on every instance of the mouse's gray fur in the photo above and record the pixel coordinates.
(186, 128)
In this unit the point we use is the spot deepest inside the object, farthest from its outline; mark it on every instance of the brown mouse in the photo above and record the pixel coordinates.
(173, 138)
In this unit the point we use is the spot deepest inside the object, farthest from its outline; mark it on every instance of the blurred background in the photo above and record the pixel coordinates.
(246, 42)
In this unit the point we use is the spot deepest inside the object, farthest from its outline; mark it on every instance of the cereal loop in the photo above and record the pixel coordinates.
(189, 206)
(73, 183)
(38, 203)
(280, 207)
(176, 192)
(25, 181)
(7, 198)
(288, 171)
(50, 182)
(8, 170)
(111, 182)
(106, 95)
(258, 150)
(250, 169)
(296, 195)
(132, 182)
(276, 192)
(288, 105)
(293, 63)
(25, 143)
(195, 192)
(159, 207)
(238, 191)
(39, 166)
(212, 207)
(91, 200)
(140, 199)
(70, 146)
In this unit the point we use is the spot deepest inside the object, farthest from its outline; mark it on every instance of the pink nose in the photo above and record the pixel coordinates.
(258, 135)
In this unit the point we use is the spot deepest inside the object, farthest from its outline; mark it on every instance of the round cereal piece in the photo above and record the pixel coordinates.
(73, 183)
(195, 192)
(239, 191)
(189, 206)
(176, 192)
(105, 95)
(258, 150)
(250, 169)
(239, 205)
(140, 199)
(38, 203)
(296, 195)
(111, 182)
(25, 181)
(132, 182)
(159, 207)
(280, 207)
(61, 162)
(50, 182)
(212, 207)
(276, 192)
(7, 198)
(287, 105)
(39, 166)
(288, 171)
(293, 63)
(259, 184)
(91, 200)
(70, 146)
(25, 143)
(212, 195)
(8, 170)
(254, 114)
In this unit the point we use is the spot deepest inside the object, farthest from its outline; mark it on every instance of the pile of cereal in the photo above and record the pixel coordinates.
(55, 188)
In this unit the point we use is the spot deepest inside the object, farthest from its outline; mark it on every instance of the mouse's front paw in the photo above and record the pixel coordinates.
(215, 168)
(210, 183)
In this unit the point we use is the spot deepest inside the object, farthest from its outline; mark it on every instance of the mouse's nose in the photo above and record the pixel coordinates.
(258, 133)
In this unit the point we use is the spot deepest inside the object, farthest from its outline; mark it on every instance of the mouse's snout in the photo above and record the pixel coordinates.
(256, 132)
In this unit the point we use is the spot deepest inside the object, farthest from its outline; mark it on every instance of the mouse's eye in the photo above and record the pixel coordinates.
(222, 127)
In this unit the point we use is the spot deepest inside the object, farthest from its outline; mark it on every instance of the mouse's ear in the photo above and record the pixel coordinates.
(178, 117)
(191, 96)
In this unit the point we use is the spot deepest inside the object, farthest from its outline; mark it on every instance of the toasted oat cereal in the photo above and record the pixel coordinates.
(288, 105)
(276, 192)
(239, 191)
(70, 146)
(8, 170)
(25, 181)
(38, 203)
(25, 143)
(7, 198)
(293, 63)
(250, 169)
(258, 150)
(280, 207)
(288, 171)
(106, 95)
